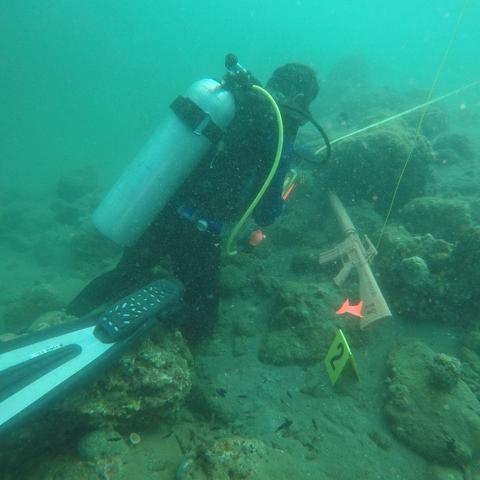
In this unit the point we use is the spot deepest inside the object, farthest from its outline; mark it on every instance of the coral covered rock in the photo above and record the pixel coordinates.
(367, 167)
(50, 319)
(299, 230)
(301, 326)
(445, 372)
(444, 218)
(237, 458)
(413, 271)
(419, 272)
(73, 213)
(25, 309)
(430, 408)
(227, 458)
(464, 270)
(238, 274)
(100, 444)
(470, 355)
(91, 251)
(145, 386)
(50, 247)
(77, 183)
(435, 120)
(452, 148)
(438, 472)
(24, 217)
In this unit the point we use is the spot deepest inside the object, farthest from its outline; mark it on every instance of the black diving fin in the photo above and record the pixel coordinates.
(38, 368)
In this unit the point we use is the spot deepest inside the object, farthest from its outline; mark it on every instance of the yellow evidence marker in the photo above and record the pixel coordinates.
(339, 354)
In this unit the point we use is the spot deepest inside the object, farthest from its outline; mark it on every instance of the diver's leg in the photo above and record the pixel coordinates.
(99, 291)
(197, 262)
(134, 270)
(131, 273)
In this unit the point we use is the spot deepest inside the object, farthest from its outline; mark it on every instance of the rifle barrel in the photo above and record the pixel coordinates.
(342, 215)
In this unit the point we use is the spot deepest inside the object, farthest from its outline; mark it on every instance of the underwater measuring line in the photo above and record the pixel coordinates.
(397, 115)
(420, 122)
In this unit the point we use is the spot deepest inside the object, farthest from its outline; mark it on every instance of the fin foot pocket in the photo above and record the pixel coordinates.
(38, 368)
(123, 318)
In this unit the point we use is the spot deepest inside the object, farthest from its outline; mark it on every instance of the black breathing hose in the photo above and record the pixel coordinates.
(318, 127)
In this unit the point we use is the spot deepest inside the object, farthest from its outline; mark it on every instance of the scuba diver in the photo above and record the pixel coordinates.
(188, 232)
(223, 151)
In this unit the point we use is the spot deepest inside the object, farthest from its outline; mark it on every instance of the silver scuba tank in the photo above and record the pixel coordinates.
(196, 121)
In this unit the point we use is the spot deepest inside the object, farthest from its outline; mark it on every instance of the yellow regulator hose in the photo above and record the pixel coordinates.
(230, 245)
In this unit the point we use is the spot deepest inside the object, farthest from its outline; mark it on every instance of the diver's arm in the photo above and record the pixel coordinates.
(270, 206)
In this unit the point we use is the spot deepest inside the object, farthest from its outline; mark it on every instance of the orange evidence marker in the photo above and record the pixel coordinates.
(352, 309)
(256, 237)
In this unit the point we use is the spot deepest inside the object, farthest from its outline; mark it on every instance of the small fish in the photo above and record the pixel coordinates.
(243, 396)
(343, 119)
(355, 310)
(289, 394)
(182, 444)
(314, 423)
(286, 423)
(221, 391)
(256, 237)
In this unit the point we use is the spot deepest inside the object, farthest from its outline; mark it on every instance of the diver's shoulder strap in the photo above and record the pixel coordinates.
(196, 118)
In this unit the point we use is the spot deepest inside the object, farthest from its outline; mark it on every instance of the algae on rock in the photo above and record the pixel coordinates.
(238, 458)
(444, 218)
(414, 273)
(430, 408)
(147, 385)
(366, 167)
(301, 326)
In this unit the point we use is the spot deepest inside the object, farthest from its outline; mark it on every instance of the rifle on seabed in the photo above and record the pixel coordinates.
(354, 254)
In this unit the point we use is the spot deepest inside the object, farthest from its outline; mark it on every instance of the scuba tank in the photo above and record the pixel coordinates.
(196, 121)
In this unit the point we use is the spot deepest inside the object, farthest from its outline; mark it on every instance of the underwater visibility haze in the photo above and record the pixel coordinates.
(304, 175)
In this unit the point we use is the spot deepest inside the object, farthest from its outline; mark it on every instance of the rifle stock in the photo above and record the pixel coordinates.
(353, 254)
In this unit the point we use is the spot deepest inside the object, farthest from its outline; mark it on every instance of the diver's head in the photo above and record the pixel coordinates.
(294, 85)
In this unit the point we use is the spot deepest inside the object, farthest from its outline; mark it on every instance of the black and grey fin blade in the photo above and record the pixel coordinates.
(38, 368)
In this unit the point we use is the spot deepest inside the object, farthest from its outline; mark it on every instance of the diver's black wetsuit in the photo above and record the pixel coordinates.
(220, 189)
